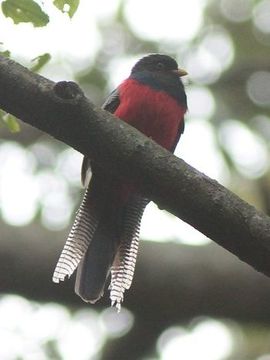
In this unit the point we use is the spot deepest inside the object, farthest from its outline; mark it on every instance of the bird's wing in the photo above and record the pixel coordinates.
(179, 133)
(111, 104)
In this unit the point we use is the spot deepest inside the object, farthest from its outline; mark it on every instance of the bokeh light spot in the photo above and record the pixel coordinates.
(198, 147)
(215, 54)
(236, 10)
(247, 150)
(219, 44)
(27, 327)
(44, 153)
(116, 324)
(208, 340)
(18, 189)
(119, 69)
(161, 226)
(261, 16)
(181, 21)
(201, 102)
(69, 166)
(54, 199)
(258, 88)
(264, 357)
(82, 338)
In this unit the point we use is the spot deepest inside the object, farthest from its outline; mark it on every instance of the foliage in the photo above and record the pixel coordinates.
(67, 6)
(29, 11)
(5, 53)
(25, 11)
(40, 61)
(9, 121)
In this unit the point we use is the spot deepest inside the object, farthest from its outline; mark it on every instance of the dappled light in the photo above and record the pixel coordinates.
(33, 330)
(82, 337)
(261, 16)
(251, 155)
(18, 189)
(207, 340)
(66, 44)
(183, 24)
(214, 54)
(24, 188)
(116, 324)
(119, 69)
(161, 226)
(236, 10)
(201, 102)
(264, 357)
(199, 148)
(29, 328)
(218, 43)
(258, 88)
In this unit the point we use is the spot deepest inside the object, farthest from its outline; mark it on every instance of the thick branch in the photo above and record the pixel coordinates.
(64, 112)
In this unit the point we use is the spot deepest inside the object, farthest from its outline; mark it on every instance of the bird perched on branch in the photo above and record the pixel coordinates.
(104, 238)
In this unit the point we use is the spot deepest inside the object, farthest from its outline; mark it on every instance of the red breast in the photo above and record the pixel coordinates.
(155, 113)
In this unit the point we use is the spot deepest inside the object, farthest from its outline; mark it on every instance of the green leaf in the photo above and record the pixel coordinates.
(40, 61)
(67, 6)
(25, 11)
(11, 122)
(5, 53)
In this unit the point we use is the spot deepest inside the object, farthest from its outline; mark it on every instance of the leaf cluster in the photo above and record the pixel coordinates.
(29, 11)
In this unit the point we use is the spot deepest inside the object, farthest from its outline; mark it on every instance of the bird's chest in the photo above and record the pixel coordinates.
(152, 112)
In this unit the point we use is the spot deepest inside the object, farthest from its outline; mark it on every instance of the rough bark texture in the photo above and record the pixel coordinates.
(62, 111)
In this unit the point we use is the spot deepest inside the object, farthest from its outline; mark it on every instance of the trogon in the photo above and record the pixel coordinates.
(104, 238)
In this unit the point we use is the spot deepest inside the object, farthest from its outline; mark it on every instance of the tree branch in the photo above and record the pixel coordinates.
(62, 110)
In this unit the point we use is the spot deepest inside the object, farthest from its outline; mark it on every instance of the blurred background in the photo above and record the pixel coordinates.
(190, 298)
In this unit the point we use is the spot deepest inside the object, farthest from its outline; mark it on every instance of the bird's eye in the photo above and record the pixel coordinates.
(160, 66)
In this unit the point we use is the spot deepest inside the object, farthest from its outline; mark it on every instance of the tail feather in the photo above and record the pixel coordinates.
(104, 239)
(78, 240)
(123, 267)
(94, 268)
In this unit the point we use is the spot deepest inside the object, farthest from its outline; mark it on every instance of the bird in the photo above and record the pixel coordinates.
(103, 241)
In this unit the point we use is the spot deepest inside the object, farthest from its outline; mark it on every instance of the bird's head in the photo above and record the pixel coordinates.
(158, 63)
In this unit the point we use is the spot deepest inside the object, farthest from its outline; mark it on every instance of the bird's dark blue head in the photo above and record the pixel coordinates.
(161, 72)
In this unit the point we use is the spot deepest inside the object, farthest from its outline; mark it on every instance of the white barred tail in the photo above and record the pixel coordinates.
(78, 240)
(123, 267)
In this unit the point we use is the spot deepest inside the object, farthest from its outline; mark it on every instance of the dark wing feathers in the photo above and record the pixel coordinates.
(112, 102)
(179, 133)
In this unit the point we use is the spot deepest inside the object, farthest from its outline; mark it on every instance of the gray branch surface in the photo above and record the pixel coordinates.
(62, 110)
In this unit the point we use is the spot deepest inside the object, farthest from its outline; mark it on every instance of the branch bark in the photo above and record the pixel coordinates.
(62, 110)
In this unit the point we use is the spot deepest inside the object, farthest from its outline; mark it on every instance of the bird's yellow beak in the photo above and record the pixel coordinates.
(180, 72)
